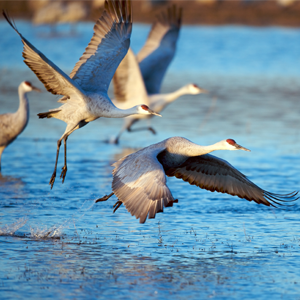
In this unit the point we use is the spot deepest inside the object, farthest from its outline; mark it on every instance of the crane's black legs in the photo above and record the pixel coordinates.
(117, 205)
(64, 168)
(54, 172)
(106, 197)
(142, 128)
(64, 137)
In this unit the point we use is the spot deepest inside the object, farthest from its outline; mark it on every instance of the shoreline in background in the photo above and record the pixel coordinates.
(213, 12)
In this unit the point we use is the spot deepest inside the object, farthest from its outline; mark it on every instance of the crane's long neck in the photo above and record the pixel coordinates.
(170, 97)
(195, 150)
(121, 113)
(23, 110)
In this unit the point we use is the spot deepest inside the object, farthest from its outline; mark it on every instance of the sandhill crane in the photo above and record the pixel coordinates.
(85, 91)
(12, 124)
(139, 179)
(139, 78)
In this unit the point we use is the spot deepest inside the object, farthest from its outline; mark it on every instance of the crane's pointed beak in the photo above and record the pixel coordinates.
(239, 147)
(153, 112)
(35, 89)
(203, 91)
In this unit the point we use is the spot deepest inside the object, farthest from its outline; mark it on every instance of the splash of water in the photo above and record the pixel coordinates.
(56, 231)
(52, 232)
(12, 228)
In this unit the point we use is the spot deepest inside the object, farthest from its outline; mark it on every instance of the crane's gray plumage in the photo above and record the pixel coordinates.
(139, 179)
(134, 81)
(12, 124)
(129, 86)
(95, 69)
(84, 94)
(159, 49)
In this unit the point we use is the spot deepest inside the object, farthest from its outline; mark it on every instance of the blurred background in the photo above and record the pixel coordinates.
(248, 12)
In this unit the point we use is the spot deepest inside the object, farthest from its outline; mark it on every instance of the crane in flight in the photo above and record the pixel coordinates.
(139, 179)
(84, 92)
(139, 78)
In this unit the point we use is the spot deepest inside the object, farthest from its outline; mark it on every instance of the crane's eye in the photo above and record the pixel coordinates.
(231, 142)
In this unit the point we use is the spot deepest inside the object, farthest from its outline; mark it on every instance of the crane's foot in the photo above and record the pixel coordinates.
(106, 197)
(63, 173)
(172, 202)
(114, 141)
(152, 130)
(117, 205)
(51, 182)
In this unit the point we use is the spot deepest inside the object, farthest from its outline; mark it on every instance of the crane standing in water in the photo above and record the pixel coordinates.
(12, 124)
(139, 179)
(84, 93)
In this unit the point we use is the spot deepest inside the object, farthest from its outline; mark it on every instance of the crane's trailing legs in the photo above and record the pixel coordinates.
(106, 197)
(64, 168)
(142, 128)
(127, 127)
(119, 203)
(52, 179)
(64, 137)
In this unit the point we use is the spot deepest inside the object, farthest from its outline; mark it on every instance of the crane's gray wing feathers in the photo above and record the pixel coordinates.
(139, 181)
(128, 82)
(159, 49)
(107, 48)
(215, 174)
(53, 78)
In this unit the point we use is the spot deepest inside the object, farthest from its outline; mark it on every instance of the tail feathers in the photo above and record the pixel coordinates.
(48, 114)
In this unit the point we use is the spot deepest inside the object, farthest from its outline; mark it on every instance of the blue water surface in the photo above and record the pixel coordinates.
(59, 244)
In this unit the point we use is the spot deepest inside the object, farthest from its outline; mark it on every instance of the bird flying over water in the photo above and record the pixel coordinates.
(12, 124)
(84, 92)
(139, 179)
(138, 79)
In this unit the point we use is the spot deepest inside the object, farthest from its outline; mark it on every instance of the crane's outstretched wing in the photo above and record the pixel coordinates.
(129, 87)
(139, 181)
(53, 78)
(215, 174)
(107, 48)
(159, 49)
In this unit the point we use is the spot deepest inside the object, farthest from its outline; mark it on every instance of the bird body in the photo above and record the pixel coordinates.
(93, 107)
(85, 91)
(139, 179)
(12, 124)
